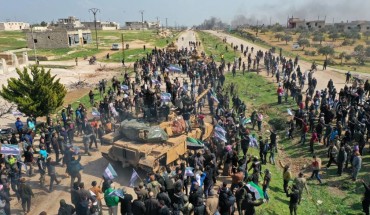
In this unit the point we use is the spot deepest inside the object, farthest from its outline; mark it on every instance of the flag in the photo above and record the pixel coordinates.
(214, 97)
(118, 193)
(194, 143)
(133, 178)
(254, 188)
(156, 82)
(23, 165)
(220, 129)
(246, 121)
(253, 141)
(124, 87)
(174, 68)
(17, 113)
(289, 112)
(220, 136)
(166, 97)
(189, 171)
(95, 113)
(9, 149)
(109, 172)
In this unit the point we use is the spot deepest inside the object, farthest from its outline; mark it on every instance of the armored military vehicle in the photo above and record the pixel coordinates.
(151, 146)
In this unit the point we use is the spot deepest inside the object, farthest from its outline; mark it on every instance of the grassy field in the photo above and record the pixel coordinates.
(337, 193)
(107, 38)
(271, 41)
(209, 43)
(131, 55)
(10, 40)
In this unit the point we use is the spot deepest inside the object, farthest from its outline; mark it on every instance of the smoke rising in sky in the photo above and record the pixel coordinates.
(279, 11)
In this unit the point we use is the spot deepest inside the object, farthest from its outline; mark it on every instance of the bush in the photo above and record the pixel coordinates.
(310, 53)
(331, 61)
(278, 123)
(348, 42)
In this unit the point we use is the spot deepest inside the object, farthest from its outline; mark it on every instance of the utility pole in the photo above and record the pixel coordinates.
(123, 49)
(166, 24)
(157, 24)
(94, 11)
(34, 45)
(142, 18)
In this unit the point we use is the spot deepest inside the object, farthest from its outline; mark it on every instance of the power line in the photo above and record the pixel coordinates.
(94, 11)
(142, 18)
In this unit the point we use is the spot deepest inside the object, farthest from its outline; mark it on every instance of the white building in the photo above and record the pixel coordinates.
(101, 25)
(13, 26)
(69, 23)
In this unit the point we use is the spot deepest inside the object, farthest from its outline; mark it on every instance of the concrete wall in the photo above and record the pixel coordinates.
(57, 39)
(48, 39)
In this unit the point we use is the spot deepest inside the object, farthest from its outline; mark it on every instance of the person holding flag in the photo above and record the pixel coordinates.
(111, 200)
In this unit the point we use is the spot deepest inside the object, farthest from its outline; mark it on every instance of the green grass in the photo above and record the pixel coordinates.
(258, 93)
(209, 44)
(131, 55)
(66, 53)
(107, 38)
(10, 40)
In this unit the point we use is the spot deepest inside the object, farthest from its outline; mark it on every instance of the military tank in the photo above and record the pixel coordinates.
(171, 47)
(149, 147)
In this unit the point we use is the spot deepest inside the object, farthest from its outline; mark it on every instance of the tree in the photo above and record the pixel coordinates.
(366, 34)
(44, 24)
(279, 36)
(341, 56)
(287, 38)
(334, 35)
(367, 51)
(326, 51)
(277, 28)
(35, 92)
(360, 54)
(304, 35)
(303, 43)
(318, 38)
(264, 30)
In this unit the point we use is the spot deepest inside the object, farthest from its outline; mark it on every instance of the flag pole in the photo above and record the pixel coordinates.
(138, 175)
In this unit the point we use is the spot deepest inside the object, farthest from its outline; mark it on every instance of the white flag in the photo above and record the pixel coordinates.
(133, 178)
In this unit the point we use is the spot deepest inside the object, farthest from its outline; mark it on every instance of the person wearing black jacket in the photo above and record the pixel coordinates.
(200, 208)
(250, 204)
(294, 199)
(126, 204)
(224, 205)
(65, 209)
(163, 195)
(151, 205)
(138, 206)
(50, 165)
(366, 199)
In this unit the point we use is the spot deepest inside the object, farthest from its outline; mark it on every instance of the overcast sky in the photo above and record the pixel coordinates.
(184, 12)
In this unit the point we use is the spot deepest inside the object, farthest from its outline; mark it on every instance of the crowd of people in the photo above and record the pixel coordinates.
(338, 120)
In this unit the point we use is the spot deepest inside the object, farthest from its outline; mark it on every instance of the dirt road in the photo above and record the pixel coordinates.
(322, 77)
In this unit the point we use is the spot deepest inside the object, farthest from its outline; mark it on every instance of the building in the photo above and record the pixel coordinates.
(142, 25)
(361, 26)
(101, 25)
(294, 23)
(58, 38)
(69, 23)
(13, 26)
